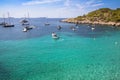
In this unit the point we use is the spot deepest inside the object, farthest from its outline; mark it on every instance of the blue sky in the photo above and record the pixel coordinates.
(53, 8)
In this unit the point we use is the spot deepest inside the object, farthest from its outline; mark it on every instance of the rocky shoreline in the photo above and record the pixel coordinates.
(72, 20)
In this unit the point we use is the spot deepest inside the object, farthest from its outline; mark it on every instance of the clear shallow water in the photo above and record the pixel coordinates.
(80, 55)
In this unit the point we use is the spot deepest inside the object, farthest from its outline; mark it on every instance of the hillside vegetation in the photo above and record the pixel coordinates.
(103, 14)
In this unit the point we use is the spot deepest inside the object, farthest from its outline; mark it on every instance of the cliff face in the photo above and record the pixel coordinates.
(104, 16)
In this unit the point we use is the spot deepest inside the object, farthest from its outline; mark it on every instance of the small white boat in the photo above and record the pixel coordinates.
(46, 24)
(24, 29)
(73, 29)
(55, 36)
(92, 28)
(32, 26)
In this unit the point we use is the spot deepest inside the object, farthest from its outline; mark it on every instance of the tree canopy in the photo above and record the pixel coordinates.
(103, 14)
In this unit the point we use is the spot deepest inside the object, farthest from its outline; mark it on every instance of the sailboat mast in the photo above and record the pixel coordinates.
(3, 19)
(9, 18)
(28, 15)
(28, 18)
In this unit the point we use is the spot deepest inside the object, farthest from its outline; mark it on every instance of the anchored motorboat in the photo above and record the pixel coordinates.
(54, 35)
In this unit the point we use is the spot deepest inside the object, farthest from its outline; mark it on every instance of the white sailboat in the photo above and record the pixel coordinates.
(24, 21)
(26, 24)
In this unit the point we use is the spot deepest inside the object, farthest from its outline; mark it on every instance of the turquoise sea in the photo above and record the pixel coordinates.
(83, 54)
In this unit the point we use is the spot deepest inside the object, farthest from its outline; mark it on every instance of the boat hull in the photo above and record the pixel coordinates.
(8, 25)
(55, 37)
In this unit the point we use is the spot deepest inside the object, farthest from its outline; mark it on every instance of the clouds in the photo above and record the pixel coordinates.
(83, 5)
(37, 2)
(68, 8)
(67, 3)
(94, 3)
(53, 8)
(99, 4)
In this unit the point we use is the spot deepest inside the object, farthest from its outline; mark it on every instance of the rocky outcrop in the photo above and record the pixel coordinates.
(73, 20)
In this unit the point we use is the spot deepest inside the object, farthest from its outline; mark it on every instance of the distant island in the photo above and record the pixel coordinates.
(103, 16)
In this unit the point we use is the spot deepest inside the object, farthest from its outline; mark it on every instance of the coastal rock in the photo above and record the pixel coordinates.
(72, 20)
(103, 16)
